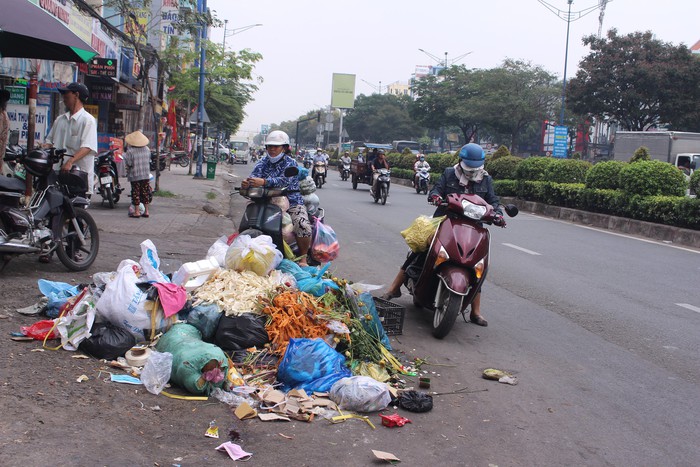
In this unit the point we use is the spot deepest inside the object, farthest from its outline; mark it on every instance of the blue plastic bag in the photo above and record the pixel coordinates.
(365, 303)
(57, 293)
(205, 317)
(309, 278)
(311, 365)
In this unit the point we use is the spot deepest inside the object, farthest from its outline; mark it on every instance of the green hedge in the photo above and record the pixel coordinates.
(605, 175)
(503, 168)
(567, 171)
(695, 181)
(651, 178)
(533, 168)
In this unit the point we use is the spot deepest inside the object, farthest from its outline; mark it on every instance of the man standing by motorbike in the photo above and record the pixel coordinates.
(421, 163)
(76, 132)
(468, 176)
(269, 172)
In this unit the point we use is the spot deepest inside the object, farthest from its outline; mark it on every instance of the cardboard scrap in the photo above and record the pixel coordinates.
(385, 456)
(273, 397)
(269, 417)
(245, 411)
(299, 394)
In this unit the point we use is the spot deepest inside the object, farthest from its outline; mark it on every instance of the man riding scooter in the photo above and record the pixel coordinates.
(320, 159)
(421, 163)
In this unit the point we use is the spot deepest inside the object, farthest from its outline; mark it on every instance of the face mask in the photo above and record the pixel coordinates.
(276, 159)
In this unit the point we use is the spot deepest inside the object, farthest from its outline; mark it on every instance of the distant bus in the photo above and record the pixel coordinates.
(399, 146)
(239, 146)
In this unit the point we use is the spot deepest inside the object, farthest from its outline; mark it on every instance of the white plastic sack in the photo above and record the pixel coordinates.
(156, 372)
(258, 255)
(360, 394)
(125, 305)
(218, 250)
(150, 263)
(75, 326)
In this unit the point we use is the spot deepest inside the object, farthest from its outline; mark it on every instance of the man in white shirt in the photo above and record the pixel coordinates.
(76, 132)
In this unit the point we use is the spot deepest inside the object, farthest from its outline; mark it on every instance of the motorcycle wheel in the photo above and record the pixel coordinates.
(183, 162)
(162, 166)
(318, 182)
(74, 255)
(383, 193)
(418, 189)
(445, 316)
(354, 182)
(109, 196)
(425, 189)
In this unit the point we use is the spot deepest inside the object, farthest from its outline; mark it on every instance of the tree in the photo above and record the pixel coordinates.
(637, 81)
(381, 118)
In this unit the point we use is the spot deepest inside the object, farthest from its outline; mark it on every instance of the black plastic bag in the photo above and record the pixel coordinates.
(107, 341)
(415, 401)
(205, 317)
(241, 332)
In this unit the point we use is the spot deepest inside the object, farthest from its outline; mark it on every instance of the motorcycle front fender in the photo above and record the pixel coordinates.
(455, 278)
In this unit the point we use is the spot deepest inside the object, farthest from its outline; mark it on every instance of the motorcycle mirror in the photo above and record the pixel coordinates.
(291, 171)
(511, 210)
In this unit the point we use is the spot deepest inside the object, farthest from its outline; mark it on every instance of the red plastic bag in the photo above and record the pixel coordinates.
(40, 329)
(325, 246)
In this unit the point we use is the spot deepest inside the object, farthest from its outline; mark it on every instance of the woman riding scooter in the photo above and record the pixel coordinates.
(468, 176)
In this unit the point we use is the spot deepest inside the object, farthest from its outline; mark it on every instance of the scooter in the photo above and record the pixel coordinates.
(162, 158)
(55, 219)
(422, 180)
(263, 217)
(447, 278)
(345, 172)
(13, 152)
(319, 175)
(381, 191)
(180, 158)
(107, 178)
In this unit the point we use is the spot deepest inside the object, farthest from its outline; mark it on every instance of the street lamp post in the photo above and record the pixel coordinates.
(566, 61)
(235, 31)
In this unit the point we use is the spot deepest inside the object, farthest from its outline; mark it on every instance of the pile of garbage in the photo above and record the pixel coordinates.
(254, 330)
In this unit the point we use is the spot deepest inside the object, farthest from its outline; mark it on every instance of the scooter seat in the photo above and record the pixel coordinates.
(12, 184)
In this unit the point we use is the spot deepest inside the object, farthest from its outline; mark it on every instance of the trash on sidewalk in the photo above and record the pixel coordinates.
(234, 451)
(385, 456)
(393, 420)
(212, 430)
(500, 376)
(415, 401)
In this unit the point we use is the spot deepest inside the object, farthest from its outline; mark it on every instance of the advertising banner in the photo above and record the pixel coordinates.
(561, 141)
(343, 95)
(19, 120)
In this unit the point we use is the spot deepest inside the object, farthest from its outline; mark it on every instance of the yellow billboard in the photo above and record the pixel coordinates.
(343, 95)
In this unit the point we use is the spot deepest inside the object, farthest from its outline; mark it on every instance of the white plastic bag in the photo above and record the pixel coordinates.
(150, 263)
(156, 372)
(218, 250)
(258, 255)
(125, 305)
(75, 325)
(360, 394)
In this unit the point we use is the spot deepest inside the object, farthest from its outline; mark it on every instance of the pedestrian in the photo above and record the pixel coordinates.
(4, 122)
(76, 132)
(137, 160)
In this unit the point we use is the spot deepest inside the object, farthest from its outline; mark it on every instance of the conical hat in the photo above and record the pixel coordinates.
(136, 139)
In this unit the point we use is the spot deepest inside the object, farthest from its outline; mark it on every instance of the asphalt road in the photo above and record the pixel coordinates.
(600, 329)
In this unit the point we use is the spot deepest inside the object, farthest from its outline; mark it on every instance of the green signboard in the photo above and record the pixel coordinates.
(18, 95)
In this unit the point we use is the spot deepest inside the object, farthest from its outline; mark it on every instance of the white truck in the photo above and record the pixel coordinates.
(679, 148)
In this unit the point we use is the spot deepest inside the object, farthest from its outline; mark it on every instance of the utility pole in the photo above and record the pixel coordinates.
(201, 8)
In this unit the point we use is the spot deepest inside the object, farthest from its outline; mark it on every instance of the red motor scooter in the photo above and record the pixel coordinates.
(457, 261)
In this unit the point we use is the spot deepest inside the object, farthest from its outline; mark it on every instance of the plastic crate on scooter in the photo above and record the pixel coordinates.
(391, 315)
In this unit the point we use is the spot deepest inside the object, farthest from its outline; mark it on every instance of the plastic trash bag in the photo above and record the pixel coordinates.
(77, 320)
(309, 279)
(126, 305)
(205, 317)
(57, 293)
(198, 366)
(107, 341)
(156, 372)
(325, 245)
(365, 306)
(41, 329)
(150, 263)
(360, 394)
(307, 185)
(420, 233)
(312, 365)
(243, 331)
(257, 254)
(218, 250)
(415, 401)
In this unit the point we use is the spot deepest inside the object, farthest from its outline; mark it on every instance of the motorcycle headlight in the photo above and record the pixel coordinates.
(256, 191)
(473, 211)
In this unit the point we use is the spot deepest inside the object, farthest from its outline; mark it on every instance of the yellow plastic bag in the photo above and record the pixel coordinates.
(420, 233)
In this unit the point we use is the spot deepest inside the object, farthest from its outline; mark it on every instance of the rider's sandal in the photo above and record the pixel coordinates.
(389, 295)
(479, 321)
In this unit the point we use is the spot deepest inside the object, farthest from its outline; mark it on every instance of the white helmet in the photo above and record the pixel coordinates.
(277, 138)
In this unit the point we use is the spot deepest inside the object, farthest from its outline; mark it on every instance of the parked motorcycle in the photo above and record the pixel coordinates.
(13, 152)
(319, 174)
(107, 178)
(263, 217)
(447, 278)
(422, 180)
(381, 191)
(55, 218)
(162, 158)
(345, 172)
(180, 158)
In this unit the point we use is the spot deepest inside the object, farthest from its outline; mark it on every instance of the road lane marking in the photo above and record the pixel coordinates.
(689, 307)
(524, 250)
(605, 231)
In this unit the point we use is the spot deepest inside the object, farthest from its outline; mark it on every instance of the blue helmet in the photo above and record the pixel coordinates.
(472, 155)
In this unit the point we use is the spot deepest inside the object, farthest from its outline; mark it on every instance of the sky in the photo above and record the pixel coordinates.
(303, 42)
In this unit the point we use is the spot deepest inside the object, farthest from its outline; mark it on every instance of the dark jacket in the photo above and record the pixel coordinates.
(449, 183)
